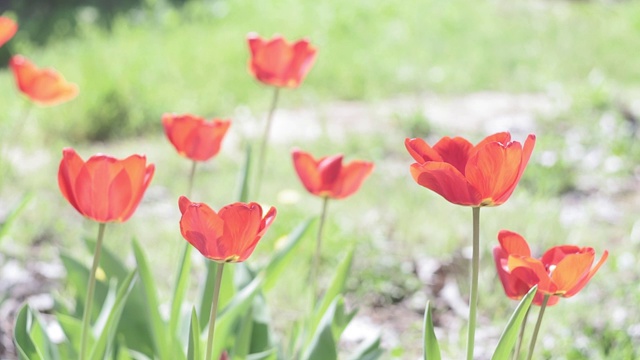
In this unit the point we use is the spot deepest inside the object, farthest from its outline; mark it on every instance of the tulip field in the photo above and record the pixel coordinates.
(298, 180)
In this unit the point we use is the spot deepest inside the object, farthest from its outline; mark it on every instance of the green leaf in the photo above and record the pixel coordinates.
(180, 290)
(335, 288)
(323, 345)
(14, 214)
(25, 346)
(103, 344)
(368, 350)
(270, 354)
(510, 333)
(243, 338)
(284, 254)
(72, 328)
(243, 191)
(158, 326)
(431, 347)
(193, 351)
(238, 306)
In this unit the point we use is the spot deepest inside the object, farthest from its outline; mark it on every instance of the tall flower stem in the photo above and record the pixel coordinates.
(521, 335)
(475, 267)
(86, 317)
(315, 270)
(185, 262)
(192, 176)
(214, 310)
(534, 337)
(265, 140)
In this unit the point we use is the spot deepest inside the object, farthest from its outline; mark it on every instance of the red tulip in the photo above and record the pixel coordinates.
(194, 137)
(228, 236)
(561, 272)
(328, 177)
(481, 175)
(278, 63)
(104, 189)
(42, 86)
(8, 28)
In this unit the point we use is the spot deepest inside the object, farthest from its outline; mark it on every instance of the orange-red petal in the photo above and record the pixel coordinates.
(8, 28)
(513, 243)
(351, 178)
(447, 181)
(45, 87)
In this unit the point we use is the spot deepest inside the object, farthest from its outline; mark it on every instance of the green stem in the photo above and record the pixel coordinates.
(86, 317)
(473, 300)
(315, 270)
(265, 140)
(192, 176)
(214, 310)
(516, 354)
(532, 344)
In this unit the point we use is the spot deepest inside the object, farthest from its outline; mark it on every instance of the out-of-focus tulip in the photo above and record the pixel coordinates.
(328, 177)
(278, 63)
(193, 136)
(43, 86)
(227, 236)
(561, 272)
(481, 175)
(8, 28)
(104, 188)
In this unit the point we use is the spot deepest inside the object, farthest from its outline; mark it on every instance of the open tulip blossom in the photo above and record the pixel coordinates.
(561, 272)
(230, 235)
(104, 188)
(328, 176)
(43, 86)
(481, 175)
(193, 136)
(278, 63)
(8, 28)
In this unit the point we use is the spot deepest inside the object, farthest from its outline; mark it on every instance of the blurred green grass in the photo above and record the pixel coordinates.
(193, 58)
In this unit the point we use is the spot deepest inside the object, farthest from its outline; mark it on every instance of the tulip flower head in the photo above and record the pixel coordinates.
(481, 175)
(194, 137)
(328, 177)
(230, 235)
(103, 188)
(561, 272)
(278, 63)
(43, 86)
(8, 28)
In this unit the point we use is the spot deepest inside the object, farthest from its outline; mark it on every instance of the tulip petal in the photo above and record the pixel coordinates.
(68, 171)
(513, 243)
(526, 155)
(554, 255)
(330, 169)
(351, 178)
(571, 270)
(531, 271)
(493, 170)
(119, 196)
(581, 284)
(421, 151)
(513, 286)
(454, 151)
(307, 169)
(203, 229)
(447, 181)
(45, 87)
(241, 226)
(8, 28)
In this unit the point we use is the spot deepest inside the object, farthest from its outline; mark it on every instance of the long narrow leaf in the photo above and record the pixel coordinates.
(510, 333)
(180, 290)
(243, 190)
(27, 350)
(193, 351)
(14, 214)
(323, 345)
(284, 255)
(104, 342)
(368, 350)
(158, 326)
(431, 347)
(335, 288)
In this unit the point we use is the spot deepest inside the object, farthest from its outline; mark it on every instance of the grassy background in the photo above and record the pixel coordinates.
(159, 57)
